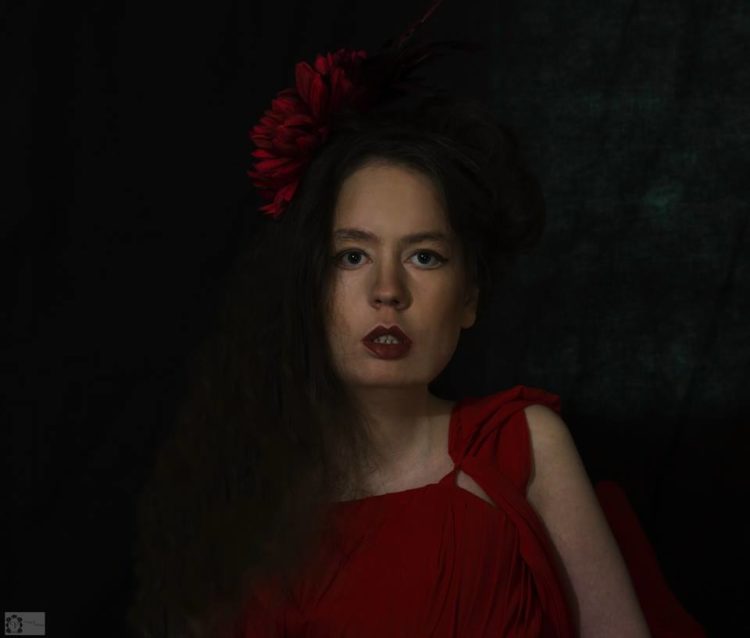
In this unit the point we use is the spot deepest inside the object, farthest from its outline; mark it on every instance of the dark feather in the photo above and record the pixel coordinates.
(389, 71)
(404, 38)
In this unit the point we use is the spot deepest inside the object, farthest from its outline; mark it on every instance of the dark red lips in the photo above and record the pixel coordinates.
(388, 350)
(381, 330)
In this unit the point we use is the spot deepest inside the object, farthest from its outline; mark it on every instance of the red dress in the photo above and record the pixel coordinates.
(437, 560)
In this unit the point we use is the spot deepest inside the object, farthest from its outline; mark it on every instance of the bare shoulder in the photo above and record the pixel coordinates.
(595, 576)
(550, 442)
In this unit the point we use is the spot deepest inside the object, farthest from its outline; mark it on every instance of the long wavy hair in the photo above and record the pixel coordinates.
(268, 435)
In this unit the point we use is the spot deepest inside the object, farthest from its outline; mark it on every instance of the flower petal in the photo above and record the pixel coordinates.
(261, 153)
(304, 75)
(318, 99)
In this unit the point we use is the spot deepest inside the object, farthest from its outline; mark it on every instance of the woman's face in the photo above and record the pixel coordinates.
(385, 279)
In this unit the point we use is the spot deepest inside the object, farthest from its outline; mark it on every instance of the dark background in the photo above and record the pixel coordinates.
(124, 199)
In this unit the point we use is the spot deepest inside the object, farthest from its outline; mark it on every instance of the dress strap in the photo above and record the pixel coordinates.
(534, 542)
(491, 443)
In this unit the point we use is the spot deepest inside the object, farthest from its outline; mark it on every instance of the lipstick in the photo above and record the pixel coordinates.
(387, 350)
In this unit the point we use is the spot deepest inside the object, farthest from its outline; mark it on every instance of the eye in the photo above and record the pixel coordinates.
(438, 259)
(338, 257)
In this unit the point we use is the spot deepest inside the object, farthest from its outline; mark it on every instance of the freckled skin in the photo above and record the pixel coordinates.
(392, 282)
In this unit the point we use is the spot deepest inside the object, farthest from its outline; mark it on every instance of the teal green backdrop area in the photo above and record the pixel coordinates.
(125, 199)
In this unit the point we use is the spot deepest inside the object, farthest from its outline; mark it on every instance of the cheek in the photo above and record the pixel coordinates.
(339, 304)
(449, 305)
(340, 317)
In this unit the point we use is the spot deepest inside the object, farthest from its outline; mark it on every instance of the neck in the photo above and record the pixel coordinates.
(403, 422)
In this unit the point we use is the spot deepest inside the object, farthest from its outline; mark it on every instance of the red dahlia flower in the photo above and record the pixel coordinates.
(298, 122)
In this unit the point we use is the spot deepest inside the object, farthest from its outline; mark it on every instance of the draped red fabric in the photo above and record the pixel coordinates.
(664, 614)
(437, 560)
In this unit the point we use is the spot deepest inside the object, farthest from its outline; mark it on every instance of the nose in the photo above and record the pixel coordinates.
(389, 287)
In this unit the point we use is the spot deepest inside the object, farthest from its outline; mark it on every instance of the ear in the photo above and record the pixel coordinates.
(471, 301)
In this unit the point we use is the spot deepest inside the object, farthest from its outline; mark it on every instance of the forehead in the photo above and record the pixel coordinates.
(388, 196)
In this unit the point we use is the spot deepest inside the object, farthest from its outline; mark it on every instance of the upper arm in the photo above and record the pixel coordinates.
(596, 578)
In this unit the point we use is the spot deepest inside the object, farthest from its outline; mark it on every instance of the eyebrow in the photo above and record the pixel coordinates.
(358, 234)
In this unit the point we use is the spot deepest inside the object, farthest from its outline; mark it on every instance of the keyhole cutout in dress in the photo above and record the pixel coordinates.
(467, 483)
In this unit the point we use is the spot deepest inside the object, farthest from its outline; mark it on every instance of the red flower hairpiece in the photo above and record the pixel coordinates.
(299, 120)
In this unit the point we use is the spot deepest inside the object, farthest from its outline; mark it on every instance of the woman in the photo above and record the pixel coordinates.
(315, 485)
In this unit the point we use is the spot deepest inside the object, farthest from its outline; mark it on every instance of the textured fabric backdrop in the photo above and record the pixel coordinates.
(125, 199)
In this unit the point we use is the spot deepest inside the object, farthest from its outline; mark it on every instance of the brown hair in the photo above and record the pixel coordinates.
(268, 435)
